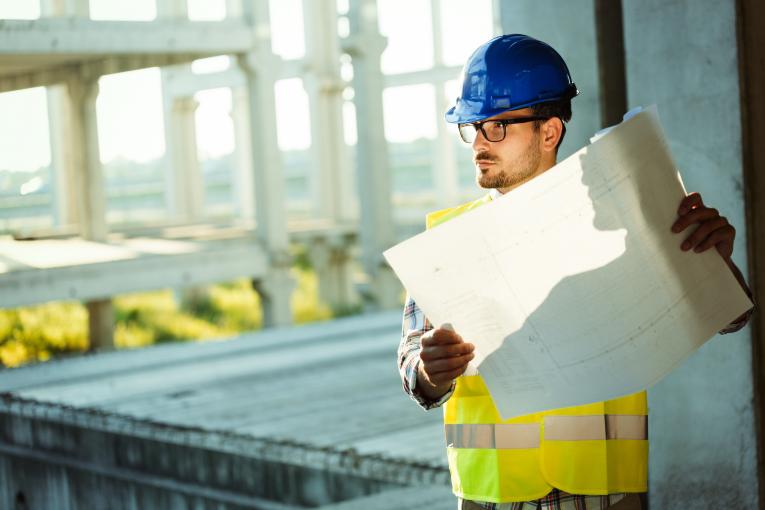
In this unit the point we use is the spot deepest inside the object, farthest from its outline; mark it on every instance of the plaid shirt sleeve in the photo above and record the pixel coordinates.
(414, 325)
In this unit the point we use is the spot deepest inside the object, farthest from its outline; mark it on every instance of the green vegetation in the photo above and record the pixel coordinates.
(40, 332)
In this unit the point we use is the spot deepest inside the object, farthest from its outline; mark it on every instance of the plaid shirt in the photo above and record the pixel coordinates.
(414, 325)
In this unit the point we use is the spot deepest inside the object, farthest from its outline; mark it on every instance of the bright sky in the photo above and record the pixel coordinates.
(130, 105)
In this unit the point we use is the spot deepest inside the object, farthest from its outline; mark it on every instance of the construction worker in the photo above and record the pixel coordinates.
(514, 104)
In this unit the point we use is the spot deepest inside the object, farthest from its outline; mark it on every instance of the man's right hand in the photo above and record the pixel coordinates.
(444, 356)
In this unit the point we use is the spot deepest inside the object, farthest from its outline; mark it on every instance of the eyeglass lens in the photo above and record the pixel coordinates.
(492, 131)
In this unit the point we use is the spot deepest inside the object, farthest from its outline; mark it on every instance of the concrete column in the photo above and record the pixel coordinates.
(90, 189)
(325, 88)
(172, 8)
(89, 184)
(613, 80)
(65, 209)
(331, 258)
(243, 171)
(331, 178)
(79, 8)
(682, 56)
(185, 186)
(365, 46)
(445, 174)
(261, 70)
(77, 163)
(233, 8)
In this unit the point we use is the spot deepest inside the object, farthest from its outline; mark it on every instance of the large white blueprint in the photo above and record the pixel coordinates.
(572, 286)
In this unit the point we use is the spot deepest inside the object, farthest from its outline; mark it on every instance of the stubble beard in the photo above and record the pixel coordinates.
(513, 173)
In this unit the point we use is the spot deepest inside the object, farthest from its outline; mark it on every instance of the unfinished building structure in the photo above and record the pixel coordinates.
(177, 432)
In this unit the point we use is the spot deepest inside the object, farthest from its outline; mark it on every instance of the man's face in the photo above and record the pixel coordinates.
(512, 161)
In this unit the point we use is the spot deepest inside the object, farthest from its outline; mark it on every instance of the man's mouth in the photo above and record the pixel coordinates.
(483, 163)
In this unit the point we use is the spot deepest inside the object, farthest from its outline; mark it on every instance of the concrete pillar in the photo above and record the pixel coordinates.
(80, 187)
(65, 209)
(750, 26)
(172, 8)
(331, 177)
(90, 189)
(365, 47)
(261, 70)
(324, 85)
(243, 170)
(185, 186)
(445, 174)
(611, 71)
(332, 260)
(233, 8)
(79, 8)
(682, 56)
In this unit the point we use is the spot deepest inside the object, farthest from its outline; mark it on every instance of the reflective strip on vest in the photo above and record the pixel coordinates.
(504, 436)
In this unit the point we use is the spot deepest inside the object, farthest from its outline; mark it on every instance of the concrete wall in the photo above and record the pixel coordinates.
(569, 27)
(681, 55)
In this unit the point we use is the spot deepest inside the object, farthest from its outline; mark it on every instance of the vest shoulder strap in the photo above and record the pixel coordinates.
(438, 217)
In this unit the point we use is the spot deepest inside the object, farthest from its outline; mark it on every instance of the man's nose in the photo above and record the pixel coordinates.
(480, 141)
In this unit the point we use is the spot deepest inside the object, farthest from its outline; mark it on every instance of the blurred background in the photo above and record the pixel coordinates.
(183, 170)
(174, 148)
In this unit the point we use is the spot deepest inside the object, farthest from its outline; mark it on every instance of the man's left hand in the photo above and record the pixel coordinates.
(713, 229)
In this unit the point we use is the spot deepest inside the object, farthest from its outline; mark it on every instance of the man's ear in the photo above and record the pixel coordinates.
(552, 130)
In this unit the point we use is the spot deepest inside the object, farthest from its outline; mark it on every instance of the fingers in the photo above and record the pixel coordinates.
(694, 216)
(690, 202)
(432, 352)
(713, 229)
(444, 355)
(440, 336)
(447, 377)
(437, 366)
(722, 239)
(703, 231)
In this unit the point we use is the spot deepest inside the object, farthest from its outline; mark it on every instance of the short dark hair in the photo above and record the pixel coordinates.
(560, 109)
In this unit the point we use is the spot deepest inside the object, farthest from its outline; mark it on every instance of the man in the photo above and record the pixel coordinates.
(515, 101)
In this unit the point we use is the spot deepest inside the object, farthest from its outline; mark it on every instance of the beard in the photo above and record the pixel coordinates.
(512, 173)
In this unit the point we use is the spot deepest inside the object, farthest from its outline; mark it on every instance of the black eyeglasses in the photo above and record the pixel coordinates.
(492, 130)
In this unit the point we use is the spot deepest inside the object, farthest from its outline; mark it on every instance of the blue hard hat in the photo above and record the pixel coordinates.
(507, 73)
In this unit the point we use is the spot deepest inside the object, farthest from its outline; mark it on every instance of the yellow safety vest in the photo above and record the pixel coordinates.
(599, 448)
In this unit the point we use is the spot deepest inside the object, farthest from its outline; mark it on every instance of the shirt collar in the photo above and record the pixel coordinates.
(495, 193)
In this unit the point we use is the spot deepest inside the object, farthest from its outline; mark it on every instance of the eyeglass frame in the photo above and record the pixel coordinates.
(478, 126)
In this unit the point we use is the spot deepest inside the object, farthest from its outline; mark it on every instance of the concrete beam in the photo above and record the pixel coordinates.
(77, 37)
(58, 71)
(124, 269)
